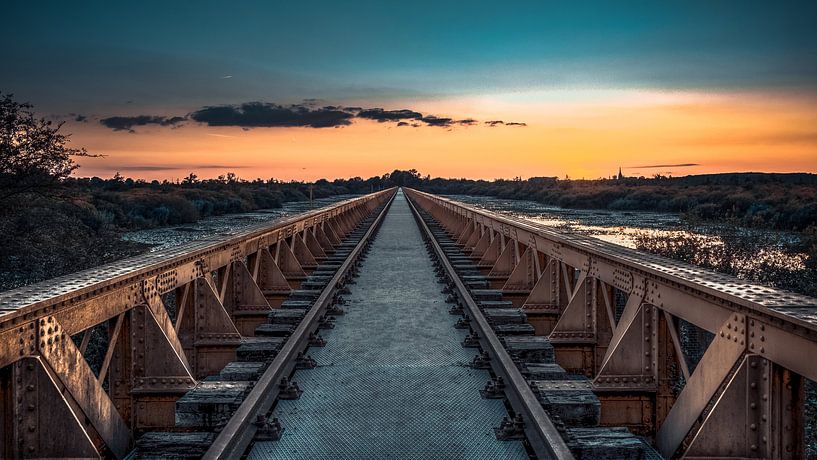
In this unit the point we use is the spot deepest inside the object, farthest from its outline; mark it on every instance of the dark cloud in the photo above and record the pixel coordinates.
(493, 123)
(306, 114)
(81, 118)
(127, 123)
(262, 114)
(389, 115)
(442, 122)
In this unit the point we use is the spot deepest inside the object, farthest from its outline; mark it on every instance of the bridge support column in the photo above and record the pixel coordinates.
(36, 420)
(269, 277)
(736, 404)
(289, 265)
(471, 242)
(209, 336)
(504, 264)
(491, 254)
(758, 414)
(627, 381)
(302, 253)
(330, 230)
(523, 277)
(582, 333)
(149, 370)
(323, 239)
(314, 246)
(244, 300)
(465, 235)
(544, 303)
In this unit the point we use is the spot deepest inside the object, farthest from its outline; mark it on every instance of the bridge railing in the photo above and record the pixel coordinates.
(631, 321)
(89, 359)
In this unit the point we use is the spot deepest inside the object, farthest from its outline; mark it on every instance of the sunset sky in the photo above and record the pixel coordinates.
(303, 90)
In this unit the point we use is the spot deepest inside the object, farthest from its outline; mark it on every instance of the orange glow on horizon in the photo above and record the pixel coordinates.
(580, 134)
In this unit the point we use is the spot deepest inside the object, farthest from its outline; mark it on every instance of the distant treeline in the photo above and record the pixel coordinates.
(137, 204)
(776, 201)
(78, 223)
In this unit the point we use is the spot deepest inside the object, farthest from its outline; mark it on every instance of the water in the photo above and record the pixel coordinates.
(760, 249)
(167, 237)
(766, 248)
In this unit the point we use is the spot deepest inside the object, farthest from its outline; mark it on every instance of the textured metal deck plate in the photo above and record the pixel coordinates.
(393, 380)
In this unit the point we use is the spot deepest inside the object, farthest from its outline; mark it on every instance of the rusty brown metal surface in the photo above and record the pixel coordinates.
(632, 349)
(166, 269)
(151, 358)
(700, 296)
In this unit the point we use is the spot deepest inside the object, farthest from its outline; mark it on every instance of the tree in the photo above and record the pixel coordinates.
(190, 179)
(34, 155)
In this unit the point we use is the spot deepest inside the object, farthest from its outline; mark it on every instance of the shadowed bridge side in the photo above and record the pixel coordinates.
(162, 322)
(633, 323)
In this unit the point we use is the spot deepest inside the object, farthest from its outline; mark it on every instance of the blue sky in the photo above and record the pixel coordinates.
(101, 54)
(485, 89)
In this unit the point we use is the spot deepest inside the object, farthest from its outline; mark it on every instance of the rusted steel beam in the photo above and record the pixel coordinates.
(112, 289)
(233, 439)
(69, 368)
(637, 360)
(34, 413)
(702, 297)
(150, 361)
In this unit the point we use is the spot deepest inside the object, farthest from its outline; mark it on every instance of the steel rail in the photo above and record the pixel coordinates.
(791, 308)
(542, 434)
(239, 431)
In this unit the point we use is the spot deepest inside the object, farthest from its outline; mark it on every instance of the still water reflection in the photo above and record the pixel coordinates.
(763, 248)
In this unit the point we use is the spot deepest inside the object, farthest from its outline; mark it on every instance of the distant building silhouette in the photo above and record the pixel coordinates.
(620, 176)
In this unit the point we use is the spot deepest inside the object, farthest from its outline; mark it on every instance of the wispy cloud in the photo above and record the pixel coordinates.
(780, 138)
(680, 165)
(493, 123)
(154, 168)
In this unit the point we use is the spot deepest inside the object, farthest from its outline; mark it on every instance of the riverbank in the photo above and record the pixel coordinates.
(783, 259)
(48, 236)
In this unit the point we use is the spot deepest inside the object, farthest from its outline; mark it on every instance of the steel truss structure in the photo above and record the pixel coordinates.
(54, 404)
(615, 315)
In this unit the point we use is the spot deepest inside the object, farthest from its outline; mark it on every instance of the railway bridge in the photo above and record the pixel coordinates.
(403, 325)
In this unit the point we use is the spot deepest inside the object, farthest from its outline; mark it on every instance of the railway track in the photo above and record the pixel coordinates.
(259, 406)
(231, 409)
(401, 325)
(557, 412)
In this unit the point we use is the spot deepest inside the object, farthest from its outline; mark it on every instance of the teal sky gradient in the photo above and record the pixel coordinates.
(106, 56)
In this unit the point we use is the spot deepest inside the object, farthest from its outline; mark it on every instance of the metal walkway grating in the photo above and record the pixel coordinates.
(393, 380)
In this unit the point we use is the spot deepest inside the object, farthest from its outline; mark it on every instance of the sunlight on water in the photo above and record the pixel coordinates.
(628, 228)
